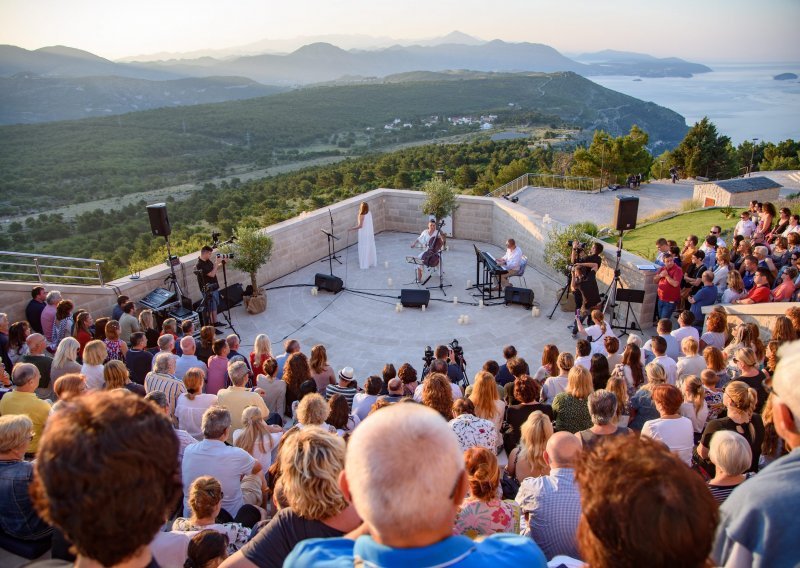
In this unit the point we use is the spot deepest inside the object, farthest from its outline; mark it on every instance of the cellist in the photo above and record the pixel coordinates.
(430, 236)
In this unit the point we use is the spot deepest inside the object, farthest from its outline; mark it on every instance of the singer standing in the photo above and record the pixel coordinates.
(367, 255)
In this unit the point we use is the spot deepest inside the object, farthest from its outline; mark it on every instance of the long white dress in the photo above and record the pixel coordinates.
(367, 256)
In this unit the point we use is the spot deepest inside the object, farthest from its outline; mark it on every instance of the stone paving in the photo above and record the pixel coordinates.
(365, 332)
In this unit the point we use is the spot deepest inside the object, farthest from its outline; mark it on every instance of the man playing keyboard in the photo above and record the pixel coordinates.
(510, 261)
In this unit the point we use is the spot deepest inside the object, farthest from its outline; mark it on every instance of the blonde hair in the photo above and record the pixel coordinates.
(746, 356)
(311, 461)
(655, 375)
(319, 358)
(66, 352)
(115, 374)
(579, 382)
(14, 431)
(146, 320)
(312, 410)
(565, 361)
(484, 394)
(730, 452)
(599, 319)
(536, 430)
(112, 330)
(689, 346)
(254, 432)
(261, 346)
(194, 379)
(95, 352)
(742, 397)
(735, 281)
(694, 392)
(169, 325)
(205, 493)
(618, 385)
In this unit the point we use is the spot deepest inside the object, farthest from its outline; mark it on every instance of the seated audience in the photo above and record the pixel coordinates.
(23, 400)
(760, 292)
(691, 363)
(18, 332)
(237, 397)
(185, 440)
(612, 348)
(642, 406)
(527, 391)
(256, 438)
(408, 375)
(487, 402)
(716, 330)
(48, 317)
(661, 358)
(705, 296)
(363, 401)
(734, 288)
(162, 379)
(583, 353)
(204, 347)
(94, 354)
(415, 526)
(339, 416)
(68, 386)
(731, 455)
(558, 384)
(188, 359)
(551, 504)
(784, 291)
(296, 372)
(436, 394)
(82, 331)
(116, 347)
(148, 326)
(85, 472)
(115, 376)
(38, 357)
(549, 366)
(471, 430)
(312, 410)
(207, 549)
(218, 367)
(603, 410)
(694, 405)
(482, 513)
(62, 325)
(664, 330)
(395, 391)
(751, 375)
(128, 324)
(527, 459)
(138, 359)
(570, 407)
(671, 429)
(612, 530)
(65, 361)
(322, 373)
(599, 371)
(505, 376)
(274, 388)
(618, 386)
(261, 353)
(192, 404)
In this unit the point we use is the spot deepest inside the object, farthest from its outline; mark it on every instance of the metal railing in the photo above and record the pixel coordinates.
(42, 268)
(549, 181)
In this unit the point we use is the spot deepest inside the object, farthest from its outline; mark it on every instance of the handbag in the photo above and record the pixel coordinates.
(509, 482)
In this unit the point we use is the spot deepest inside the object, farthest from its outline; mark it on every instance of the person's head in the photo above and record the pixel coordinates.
(734, 282)
(64, 309)
(659, 345)
(388, 372)
(597, 248)
(18, 332)
(583, 348)
(128, 307)
(263, 346)
(146, 319)
(463, 406)
(233, 341)
(166, 343)
(395, 386)
(745, 358)
(207, 549)
(67, 351)
(667, 399)
(296, 370)
(407, 373)
(194, 380)
(602, 407)
(750, 263)
(517, 366)
(205, 252)
(169, 325)
(346, 375)
(208, 334)
(689, 346)
(69, 385)
(511, 244)
(219, 347)
(436, 394)
(611, 344)
(115, 374)
(698, 256)
(711, 241)
(790, 274)
(484, 394)
(84, 471)
(562, 450)
(526, 390)
(769, 209)
(255, 433)
(159, 400)
(373, 385)
(338, 412)
(188, 346)
(307, 387)
(164, 363)
(291, 346)
(579, 382)
(38, 293)
(565, 362)
(662, 245)
(740, 397)
(709, 378)
(617, 531)
(25, 377)
(707, 278)
(16, 432)
(53, 297)
(442, 352)
(312, 410)
(762, 277)
(717, 321)
(138, 340)
(782, 329)
(36, 343)
(205, 497)
(730, 453)
(535, 432)
(793, 314)
(238, 373)
(691, 240)
(483, 473)
(668, 260)
(270, 367)
(438, 366)
(618, 386)
(786, 395)
(216, 423)
(664, 326)
(686, 318)
(723, 256)
(187, 327)
(311, 461)
(655, 374)
(363, 209)
(599, 367)
(424, 447)
(122, 300)
(509, 351)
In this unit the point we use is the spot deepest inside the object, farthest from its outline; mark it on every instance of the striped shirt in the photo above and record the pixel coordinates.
(167, 384)
(347, 393)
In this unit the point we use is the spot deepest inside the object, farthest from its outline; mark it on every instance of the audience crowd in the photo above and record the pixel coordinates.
(124, 444)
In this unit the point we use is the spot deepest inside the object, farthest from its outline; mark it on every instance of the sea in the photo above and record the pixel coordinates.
(742, 100)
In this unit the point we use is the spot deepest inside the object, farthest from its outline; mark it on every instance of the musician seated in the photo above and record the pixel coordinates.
(511, 261)
(425, 240)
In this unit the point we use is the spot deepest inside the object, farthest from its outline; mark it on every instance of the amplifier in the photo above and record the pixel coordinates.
(413, 298)
(158, 298)
(330, 283)
(523, 296)
(181, 315)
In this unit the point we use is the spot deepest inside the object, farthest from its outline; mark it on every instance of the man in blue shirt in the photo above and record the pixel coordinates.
(409, 520)
(705, 296)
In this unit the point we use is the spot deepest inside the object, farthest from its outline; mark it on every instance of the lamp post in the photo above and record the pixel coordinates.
(752, 155)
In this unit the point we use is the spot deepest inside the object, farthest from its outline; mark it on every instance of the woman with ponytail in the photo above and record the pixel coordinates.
(596, 333)
(255, 437)
(740, 402)
(694, 404)
(482, 513)
(192, 404)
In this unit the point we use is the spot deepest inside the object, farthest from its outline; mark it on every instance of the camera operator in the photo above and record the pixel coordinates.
(584, 276)
(206, 270)
(444, 354)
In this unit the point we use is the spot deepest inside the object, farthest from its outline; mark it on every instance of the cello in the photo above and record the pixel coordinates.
(431, 257)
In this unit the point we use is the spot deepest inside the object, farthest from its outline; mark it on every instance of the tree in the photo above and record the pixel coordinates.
(703, 152)
(252, 250)
(440, 200)
(512, 171)
(612, 158)
(465, 176)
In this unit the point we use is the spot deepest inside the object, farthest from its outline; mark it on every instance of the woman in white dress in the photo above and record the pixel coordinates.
(367, 256)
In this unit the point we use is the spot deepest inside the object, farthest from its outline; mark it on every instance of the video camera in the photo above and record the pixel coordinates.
(581, 245)
(225, 256)
(428, 356)
(458, 354)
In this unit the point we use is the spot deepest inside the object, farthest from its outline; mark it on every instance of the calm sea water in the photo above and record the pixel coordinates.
(743, 100)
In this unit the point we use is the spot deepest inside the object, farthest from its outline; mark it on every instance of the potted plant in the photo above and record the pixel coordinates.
(251, 251)
(440, 200)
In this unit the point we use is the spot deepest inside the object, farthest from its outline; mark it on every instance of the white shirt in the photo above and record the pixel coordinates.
(190, 412)
(745, 228)
(513, 258)
(227, 463)
(721, 277)
(553, 386)
(690, 366)
(683, 332)
(264, 458)
(585, 362)
(425, 237)
(676, 433)
(670, 368)
(94, 376)
(698, 418)
(596, 337)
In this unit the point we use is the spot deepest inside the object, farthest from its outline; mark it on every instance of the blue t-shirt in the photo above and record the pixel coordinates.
(705, 296)
(498, 550)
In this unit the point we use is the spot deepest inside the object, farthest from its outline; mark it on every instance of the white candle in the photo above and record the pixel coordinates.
(480, 303)
(455, 300)
(398, 307)
(386, 264)
(423, 307)
(466, 319)
(389, 282)
(460, 320)
(314, 291)
(469, 283)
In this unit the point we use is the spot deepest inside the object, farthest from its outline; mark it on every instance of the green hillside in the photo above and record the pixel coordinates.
(76, 161)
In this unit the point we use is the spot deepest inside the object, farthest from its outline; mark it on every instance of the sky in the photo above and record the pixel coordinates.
(699, 30)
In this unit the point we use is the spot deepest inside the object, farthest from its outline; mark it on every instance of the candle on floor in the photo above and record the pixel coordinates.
(455, 300)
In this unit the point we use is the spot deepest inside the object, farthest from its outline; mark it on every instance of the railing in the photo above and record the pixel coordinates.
(549, 181)
(26, 267)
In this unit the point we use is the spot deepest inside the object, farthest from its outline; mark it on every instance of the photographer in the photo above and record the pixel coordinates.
(584, 276)
(445, 354)
(206, 271)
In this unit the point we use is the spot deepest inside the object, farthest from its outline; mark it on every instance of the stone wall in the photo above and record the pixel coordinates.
(761, 314)
(724, 198)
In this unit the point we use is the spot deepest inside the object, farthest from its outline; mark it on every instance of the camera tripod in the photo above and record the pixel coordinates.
(617, 288)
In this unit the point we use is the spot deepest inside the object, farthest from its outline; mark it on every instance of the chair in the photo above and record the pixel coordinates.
(521, 273)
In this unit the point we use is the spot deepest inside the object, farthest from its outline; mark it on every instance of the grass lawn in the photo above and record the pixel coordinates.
(642, 241)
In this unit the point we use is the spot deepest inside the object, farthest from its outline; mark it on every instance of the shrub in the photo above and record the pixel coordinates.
(557, 251)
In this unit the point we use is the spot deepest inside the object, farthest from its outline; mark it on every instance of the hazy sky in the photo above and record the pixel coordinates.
(701, 30)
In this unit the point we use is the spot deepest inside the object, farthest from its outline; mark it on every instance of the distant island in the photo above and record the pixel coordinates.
(785, 77)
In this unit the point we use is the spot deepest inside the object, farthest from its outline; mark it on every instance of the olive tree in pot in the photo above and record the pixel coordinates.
(440, 198)
(252, 250)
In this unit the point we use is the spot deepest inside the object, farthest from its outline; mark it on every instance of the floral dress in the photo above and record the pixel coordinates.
(714, 403)
(114, 348)
(238, 535)
(478, 518)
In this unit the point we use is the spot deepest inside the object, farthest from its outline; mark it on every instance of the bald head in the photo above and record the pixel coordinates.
(395, 386)
(562, 450)
(187, 345)
(36, 343)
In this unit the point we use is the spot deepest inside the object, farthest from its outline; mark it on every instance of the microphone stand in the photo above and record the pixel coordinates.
(331, 246)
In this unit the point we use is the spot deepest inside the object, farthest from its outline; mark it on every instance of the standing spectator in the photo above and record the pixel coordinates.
(668, 279)
(754, 520)
(470, 430)
(213, 457)
(218, 367)
(731, 455)
(62, 325)
(49, 313)
(261, 353)
(117, 349)
(138, 359)
(673, 430)
(65, 360)
(37, 356)
(162, 379)
(274, 389)
(33, 311)
(119, 309)
(482, 513)
(193, 403)
(87, 473)
(344, 386)
(571, 406)
(237, 397)
(147, 324)
(188, 360)
(23, 400)
(82, 331)
(128, 324)
(321, 371)
(551, 504)
(642, 406)
(94, 354)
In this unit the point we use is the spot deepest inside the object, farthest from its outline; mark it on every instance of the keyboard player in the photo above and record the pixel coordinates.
(510, 261)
